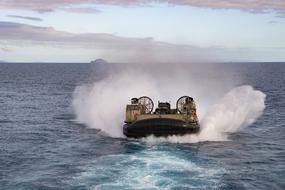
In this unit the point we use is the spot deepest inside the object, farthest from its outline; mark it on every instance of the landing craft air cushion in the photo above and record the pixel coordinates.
(141, 121)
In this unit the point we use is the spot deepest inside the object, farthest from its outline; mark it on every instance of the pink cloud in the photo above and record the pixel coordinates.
(248, 5)
(50, 5)
(235, 4)
(82, 10)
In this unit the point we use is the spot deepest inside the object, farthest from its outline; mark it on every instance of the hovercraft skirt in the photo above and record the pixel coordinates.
(159, 127)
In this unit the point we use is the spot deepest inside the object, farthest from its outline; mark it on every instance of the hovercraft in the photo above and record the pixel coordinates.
(141, 121)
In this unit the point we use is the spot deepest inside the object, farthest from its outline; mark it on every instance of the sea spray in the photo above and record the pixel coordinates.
(239, 108)
(102, 104)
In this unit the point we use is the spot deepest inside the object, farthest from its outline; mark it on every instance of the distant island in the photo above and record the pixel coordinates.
(99, 61)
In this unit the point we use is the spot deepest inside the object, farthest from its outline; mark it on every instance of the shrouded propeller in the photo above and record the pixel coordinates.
(147, 102)
(181, 102)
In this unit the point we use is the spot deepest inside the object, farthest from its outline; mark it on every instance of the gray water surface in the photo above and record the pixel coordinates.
(41, 147)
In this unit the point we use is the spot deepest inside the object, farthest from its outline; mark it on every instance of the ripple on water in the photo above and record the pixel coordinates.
(148, 169)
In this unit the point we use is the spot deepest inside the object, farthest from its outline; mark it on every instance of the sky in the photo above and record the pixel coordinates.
(142, 30)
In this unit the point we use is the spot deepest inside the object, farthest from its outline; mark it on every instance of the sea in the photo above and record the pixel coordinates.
(43, 146)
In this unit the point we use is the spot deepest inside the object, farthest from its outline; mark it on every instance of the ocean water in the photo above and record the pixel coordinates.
(42, 146)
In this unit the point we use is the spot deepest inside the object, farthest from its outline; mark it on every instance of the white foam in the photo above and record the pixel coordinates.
(102, 104)
(148, 169)
(239, 108)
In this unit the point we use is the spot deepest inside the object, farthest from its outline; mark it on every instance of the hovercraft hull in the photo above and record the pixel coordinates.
(159, 127)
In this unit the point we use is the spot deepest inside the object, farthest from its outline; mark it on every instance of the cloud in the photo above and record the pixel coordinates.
(25, 17)
(281, 14)
(32, 42)
(4, 49)
(247, 5)
(260, 5)
(51, 5)
(85, 10)
(272, 22)
(118, 48)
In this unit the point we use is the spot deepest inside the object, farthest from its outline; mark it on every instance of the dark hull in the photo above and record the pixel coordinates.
(159, 127)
